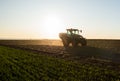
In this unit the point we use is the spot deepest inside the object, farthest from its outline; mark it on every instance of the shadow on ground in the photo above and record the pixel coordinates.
(88, 51)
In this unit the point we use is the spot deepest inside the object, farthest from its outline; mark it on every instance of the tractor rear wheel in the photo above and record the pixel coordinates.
(65, 43)
(74, 44)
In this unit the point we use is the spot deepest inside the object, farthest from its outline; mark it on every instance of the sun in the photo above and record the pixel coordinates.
(52, 26)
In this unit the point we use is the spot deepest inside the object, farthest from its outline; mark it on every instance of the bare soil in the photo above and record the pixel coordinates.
(98, 50)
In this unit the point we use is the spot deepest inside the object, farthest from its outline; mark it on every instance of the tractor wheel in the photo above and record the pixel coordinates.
(65, 43)
(74, 44)
(83, 42)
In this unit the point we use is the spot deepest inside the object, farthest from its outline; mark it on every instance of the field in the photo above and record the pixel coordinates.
(25, 66)
(27, 60)
(101, 49)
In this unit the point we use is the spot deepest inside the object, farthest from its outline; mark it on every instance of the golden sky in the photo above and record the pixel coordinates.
(43, 19)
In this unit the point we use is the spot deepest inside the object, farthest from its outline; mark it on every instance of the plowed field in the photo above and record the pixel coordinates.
(102, 50)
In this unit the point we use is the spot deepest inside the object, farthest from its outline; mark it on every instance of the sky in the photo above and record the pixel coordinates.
(44, 19)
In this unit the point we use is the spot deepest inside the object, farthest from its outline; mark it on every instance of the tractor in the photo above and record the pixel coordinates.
(72, 37)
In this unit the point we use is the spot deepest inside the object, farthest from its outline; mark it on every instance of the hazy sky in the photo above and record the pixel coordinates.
(36, 19)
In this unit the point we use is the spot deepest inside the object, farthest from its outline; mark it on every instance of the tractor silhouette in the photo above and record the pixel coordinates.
(72, 37)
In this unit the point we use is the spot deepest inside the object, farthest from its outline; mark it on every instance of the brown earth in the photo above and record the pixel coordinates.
(101, 50)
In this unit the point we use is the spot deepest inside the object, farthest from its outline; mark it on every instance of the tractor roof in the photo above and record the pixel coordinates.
(72, 29)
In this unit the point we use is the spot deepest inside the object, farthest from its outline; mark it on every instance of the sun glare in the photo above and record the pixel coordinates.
(52, 26)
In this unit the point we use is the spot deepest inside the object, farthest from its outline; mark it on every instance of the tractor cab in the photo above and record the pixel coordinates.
(73, 31)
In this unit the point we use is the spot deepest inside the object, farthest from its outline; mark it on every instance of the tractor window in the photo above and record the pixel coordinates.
(72, 32)
(75, 32)
(68, 32)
